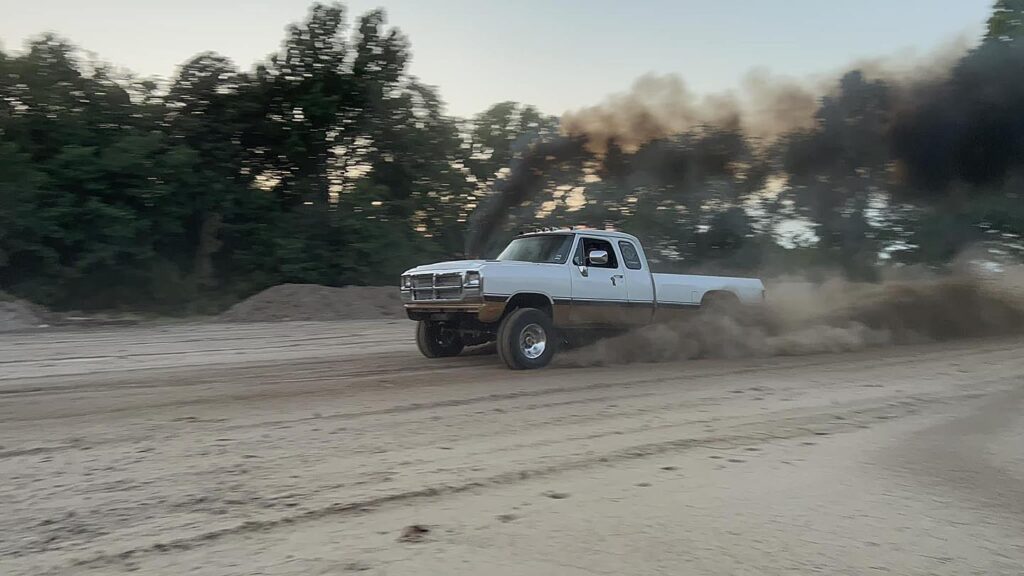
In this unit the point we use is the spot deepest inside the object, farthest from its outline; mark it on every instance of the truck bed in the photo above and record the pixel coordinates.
(690, 289)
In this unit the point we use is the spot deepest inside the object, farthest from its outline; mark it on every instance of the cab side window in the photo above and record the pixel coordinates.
(630, 256)
(588, 245)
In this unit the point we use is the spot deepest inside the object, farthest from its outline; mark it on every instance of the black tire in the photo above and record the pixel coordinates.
(527, 339)
(436, 342)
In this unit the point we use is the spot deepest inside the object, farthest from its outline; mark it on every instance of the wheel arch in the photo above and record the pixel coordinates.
(720, 295)
(537, 300)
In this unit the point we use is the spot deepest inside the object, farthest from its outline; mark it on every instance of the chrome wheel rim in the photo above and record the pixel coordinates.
(533, 341)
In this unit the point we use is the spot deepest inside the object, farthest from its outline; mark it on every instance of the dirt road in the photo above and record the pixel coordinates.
(308, 448)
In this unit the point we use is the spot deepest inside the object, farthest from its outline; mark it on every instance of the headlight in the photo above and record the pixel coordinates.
(472, 280)
(406, 282)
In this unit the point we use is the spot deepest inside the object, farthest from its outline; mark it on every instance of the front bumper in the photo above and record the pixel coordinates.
(484, 310)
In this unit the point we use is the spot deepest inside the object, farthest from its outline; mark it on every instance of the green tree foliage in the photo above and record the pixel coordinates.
(836, 168)
(328, 163)
(1007, 21)
(89, 185)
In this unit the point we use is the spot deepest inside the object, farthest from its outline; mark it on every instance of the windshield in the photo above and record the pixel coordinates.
(545, 249)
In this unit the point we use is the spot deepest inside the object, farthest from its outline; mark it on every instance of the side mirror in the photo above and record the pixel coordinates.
(597, 258)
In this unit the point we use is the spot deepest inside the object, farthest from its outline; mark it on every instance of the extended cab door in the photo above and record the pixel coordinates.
(639, 282)
(599, 292)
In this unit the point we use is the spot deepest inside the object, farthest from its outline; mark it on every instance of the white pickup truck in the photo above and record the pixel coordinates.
(548, 286)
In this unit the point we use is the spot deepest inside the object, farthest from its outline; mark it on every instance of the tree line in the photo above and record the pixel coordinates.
(329, 163)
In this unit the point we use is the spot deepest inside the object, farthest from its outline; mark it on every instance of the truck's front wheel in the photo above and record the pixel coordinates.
(436, 341)
(526, 339)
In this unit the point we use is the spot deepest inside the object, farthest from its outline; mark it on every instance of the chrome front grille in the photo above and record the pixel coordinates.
(432, 287)
(448, 280)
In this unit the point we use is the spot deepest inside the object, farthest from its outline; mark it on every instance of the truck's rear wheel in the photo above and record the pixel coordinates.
(527, 339)
(436, 341)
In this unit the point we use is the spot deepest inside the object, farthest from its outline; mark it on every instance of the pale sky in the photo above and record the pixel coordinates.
(556, 54)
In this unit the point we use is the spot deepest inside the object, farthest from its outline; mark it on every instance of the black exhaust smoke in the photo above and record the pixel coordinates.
(923, 133)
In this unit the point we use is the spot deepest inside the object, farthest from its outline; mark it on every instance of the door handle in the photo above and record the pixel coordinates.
(614, 276)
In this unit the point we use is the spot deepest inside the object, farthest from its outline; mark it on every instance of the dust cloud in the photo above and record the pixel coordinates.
(802, 318)
(657, 107)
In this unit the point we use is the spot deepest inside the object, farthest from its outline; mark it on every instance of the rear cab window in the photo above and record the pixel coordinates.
(630, 256)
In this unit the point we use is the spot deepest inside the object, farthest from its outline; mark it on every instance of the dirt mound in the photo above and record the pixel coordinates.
(835, 316)
(18, 314)
(310, 302)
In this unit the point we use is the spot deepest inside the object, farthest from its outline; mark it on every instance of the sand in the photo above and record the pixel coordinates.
(317, 303)
(16, 314)
(299, 448)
